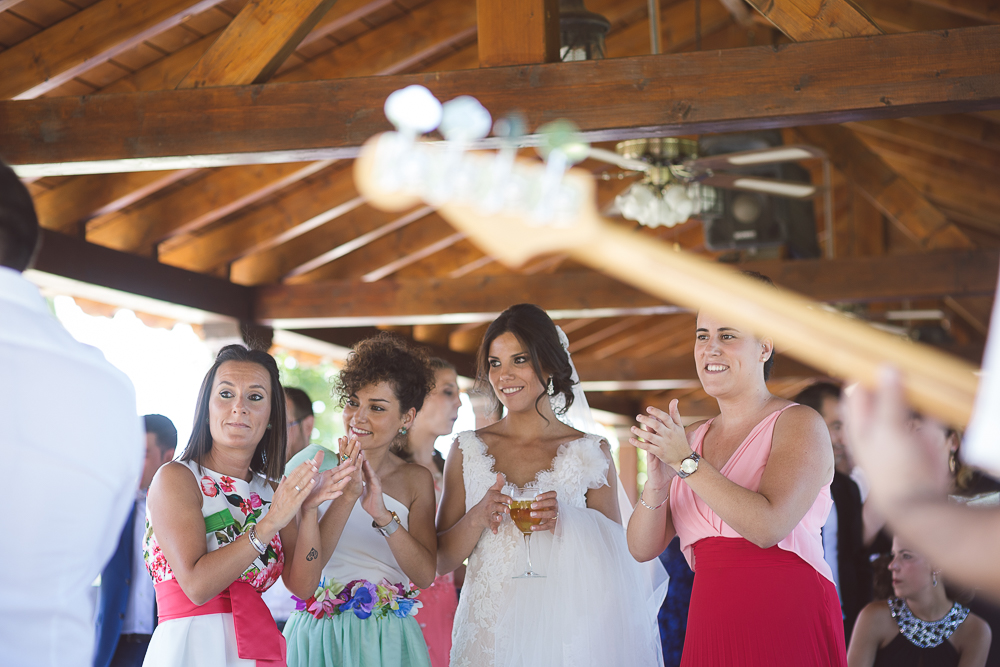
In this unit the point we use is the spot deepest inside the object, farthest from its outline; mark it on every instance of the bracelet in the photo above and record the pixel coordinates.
(653, 508)
(389, 528)
(255, 541)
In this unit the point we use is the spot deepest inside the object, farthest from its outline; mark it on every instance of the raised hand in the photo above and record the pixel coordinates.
(350, 448)
(494, 505)
(662, 435)
(292, 491)
(546, 507)
(371, 497)
(330, 484)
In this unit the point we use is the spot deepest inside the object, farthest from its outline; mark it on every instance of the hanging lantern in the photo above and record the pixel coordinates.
(581, 32)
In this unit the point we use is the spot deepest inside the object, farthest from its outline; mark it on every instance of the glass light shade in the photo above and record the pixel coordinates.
(581, 32)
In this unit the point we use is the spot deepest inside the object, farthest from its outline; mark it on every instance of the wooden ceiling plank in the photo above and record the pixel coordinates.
(947, 154)
(391, 47)
(456, 256)
(191, 208)
(655, 329)
(86, 39)
(412, 258)
(9, 4)
(682, 329)
(65, 206)
(981, 10)
(894, 196)
(810, 82)
(860, 279)
(517, 32)
(607, 331)
(256, 42)
(421, 233)
(321, 197)
(911, 16)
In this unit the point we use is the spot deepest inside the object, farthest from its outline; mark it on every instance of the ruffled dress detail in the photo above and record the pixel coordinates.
(595, 605)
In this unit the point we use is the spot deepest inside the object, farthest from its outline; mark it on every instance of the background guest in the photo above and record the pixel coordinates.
(673, 614)
(301, 421)
(843, 532)
(435, 419)
(919, 625)
(71, 445)
(299, 413)
(126, 615)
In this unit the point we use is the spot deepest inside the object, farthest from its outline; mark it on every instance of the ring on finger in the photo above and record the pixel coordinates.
(344, 457)
(297, 488)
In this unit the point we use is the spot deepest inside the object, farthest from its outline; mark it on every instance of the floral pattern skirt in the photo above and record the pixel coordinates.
(345, 639)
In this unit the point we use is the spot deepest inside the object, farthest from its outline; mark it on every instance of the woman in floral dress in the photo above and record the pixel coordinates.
(378, 539)
(220, 530)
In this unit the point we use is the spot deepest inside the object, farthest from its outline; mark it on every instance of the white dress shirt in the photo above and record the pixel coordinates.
(71, 449)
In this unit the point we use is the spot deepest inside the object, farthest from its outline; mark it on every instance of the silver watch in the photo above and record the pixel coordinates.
(390, 527)
(689, 466)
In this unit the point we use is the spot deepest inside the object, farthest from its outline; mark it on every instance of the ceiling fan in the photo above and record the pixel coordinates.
(677, 183)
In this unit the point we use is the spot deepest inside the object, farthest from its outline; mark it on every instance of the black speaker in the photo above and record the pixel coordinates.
(743, 220)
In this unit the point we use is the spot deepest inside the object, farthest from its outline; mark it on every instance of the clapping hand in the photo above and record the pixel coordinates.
(349, 447)
(665, 443)
(293, 490)
(371, 495)
(331, 483)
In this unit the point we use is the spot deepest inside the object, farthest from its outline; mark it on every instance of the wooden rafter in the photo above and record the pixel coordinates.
(803, 83)
(256, 43)
(827, 19)
(90, 37)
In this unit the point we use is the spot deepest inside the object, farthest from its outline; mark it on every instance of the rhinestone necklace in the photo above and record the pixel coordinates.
(926, 634)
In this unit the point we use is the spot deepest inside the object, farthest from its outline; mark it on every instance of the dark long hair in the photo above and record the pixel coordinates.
(401, 445)
(269, 456)
(533, 327)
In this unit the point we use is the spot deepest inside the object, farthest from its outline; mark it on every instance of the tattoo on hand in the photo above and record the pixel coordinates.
(312, 555)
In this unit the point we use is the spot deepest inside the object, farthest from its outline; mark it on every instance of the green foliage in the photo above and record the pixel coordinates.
(316, 380)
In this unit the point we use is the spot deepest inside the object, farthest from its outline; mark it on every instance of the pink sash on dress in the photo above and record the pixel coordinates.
(257, 636)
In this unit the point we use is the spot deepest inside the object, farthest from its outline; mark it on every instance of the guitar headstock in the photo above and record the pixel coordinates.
(512, 208)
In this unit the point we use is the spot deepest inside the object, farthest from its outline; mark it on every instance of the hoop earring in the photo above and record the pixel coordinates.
(551, 389)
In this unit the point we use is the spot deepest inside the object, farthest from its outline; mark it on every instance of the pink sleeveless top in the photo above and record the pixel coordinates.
(694, 520)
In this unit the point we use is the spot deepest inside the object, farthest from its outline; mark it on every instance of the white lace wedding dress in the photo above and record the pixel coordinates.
(595, 606)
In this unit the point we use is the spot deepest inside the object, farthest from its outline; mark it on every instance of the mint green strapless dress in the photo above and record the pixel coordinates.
(345, 639)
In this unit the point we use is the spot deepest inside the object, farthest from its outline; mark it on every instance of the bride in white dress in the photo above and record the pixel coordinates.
(596, 605)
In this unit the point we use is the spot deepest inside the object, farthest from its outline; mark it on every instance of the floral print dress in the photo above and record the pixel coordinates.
(229, 506)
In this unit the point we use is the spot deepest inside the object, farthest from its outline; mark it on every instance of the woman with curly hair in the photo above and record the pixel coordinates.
(377, 540)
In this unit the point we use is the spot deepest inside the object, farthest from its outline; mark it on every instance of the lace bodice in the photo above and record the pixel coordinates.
(578, 465)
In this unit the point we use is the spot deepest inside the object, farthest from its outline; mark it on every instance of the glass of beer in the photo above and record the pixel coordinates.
(520, 514)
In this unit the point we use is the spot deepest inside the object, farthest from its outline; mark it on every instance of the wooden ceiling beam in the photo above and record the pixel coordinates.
(860, 279)
(86, 39)
(256, 42)
(90, 263)
(757, 87)
(517, 32)
(805, 21)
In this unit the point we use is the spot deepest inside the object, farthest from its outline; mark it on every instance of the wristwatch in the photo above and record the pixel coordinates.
(689, 466)
(390, 527)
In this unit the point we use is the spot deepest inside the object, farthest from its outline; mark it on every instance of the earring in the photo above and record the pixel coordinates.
(269, 426)
(933, 578)
(551, 389)
(402, 430)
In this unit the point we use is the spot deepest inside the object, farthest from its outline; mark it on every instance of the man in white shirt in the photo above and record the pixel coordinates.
(70, 450)
(126, 615)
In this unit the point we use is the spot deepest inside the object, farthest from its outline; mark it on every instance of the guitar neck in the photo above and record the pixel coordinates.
(936, 383)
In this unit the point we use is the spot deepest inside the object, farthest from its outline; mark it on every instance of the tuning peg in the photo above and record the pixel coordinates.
(465, 120)
(413, 110)
(564, 136)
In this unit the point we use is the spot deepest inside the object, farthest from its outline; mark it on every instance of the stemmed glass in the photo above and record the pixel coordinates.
(520, 513)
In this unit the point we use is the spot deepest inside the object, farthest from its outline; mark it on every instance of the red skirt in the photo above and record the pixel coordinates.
(758, 607)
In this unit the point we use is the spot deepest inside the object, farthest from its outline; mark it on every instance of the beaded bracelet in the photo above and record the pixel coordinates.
(653, 508)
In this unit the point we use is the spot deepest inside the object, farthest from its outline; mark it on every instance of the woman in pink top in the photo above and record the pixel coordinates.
(747, 493)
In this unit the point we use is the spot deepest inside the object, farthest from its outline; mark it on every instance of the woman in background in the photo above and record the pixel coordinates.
(919, 626)
(435, 419)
